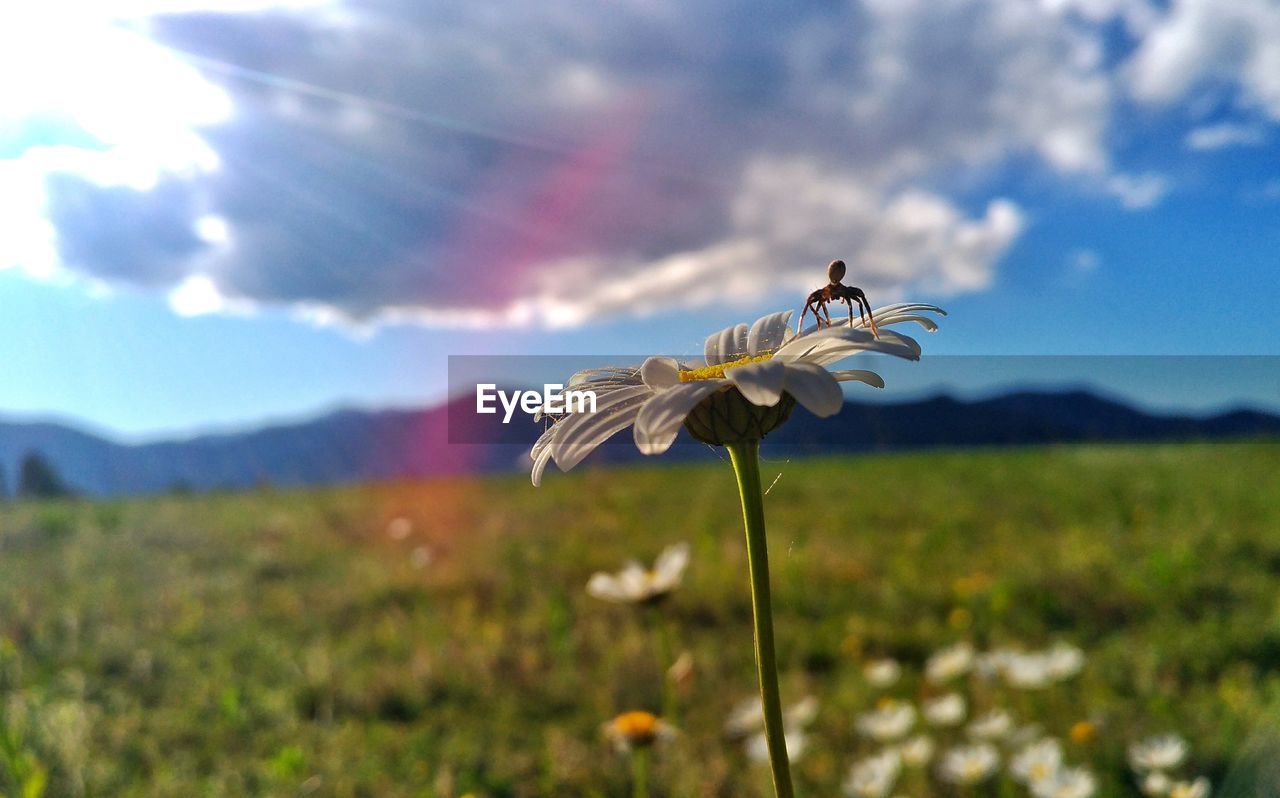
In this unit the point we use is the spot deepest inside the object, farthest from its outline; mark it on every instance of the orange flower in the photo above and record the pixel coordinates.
(637, 729)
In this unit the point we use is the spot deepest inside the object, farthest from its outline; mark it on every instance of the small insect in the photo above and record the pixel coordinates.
(836, 291)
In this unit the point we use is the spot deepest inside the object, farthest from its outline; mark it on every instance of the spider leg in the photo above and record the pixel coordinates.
(827, 311)
(850, 304)
(871, 317)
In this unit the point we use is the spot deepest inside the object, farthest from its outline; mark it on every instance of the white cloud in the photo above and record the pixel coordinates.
(369, 163)
(788, 216)
(1137, 192)
(1084, 261)
(1223, 135)
(1200, 42)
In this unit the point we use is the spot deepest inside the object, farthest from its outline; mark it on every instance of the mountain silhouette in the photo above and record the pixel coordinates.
(361, 446)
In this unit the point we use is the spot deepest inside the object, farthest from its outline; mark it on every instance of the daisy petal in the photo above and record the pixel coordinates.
(720, 347)
(671, 563)
(832, 344)
(597, 376)
(733, 343)
(814, 388)
(632, 579)
(889, 314)
(660, 373)
(540, 461)
(768, 332)
(924, 321)
(761, 383)
(605, 586)
(904, 340)
(859, 375)
(661, 417)
(581, 433)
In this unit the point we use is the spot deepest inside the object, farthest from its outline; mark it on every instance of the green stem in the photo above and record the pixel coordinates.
(640, 773)
(662, 632)
(746, 466)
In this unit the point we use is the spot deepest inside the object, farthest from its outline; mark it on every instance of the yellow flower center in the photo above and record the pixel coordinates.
(1083, 732)
(638, 727)
(717, 372)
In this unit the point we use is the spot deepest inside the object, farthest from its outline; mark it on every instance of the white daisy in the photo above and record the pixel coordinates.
(1162, 752)
(795, 739)
(1190, 789)
(882, 673)
(1066, 783)
(949, 663)
(747, 386)
(992, 726)
(748, 716)
(990, 664)
(1036, 762)
(969, 764)
(1027, 671)
(636, 585)
(1156, 784)
(917, 751)
(873, 776)
(945, 711)
(1063, 661)
(889, 721)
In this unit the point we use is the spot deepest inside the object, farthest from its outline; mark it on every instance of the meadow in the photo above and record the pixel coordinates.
(310, 643)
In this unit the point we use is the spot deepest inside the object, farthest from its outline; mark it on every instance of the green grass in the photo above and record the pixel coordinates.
(280, 643)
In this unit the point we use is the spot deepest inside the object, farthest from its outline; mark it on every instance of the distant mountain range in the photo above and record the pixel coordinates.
(358, 446)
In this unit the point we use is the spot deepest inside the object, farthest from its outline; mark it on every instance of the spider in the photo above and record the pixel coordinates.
(836, 291)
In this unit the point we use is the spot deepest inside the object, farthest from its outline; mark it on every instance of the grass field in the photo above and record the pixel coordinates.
(283, 643)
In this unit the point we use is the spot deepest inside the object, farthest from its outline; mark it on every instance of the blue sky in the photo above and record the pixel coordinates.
(208, 219)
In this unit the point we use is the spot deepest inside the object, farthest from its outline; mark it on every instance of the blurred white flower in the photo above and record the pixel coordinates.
(796, 740)
(420, 557)
(889, 721)
(399, 528)
(1027, 671)
(992, 726)
(969, 764)
(945, 711)
(1025, 735)
(1190, 789)
(1066, 783)
(635, 585)
(990, 664)
(683, 670)
(1156, 784)
(882, 672)
(873, 776)
(762, 363)
(917, 751)
(748, 716)
(1036, 762)
(1063, 661)
(949, 663)
(1161, 752)
(747, 720)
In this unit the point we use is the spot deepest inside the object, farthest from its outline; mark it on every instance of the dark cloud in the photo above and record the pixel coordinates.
(144, 237)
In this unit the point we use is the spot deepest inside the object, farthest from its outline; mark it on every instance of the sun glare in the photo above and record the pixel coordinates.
(85, 91)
